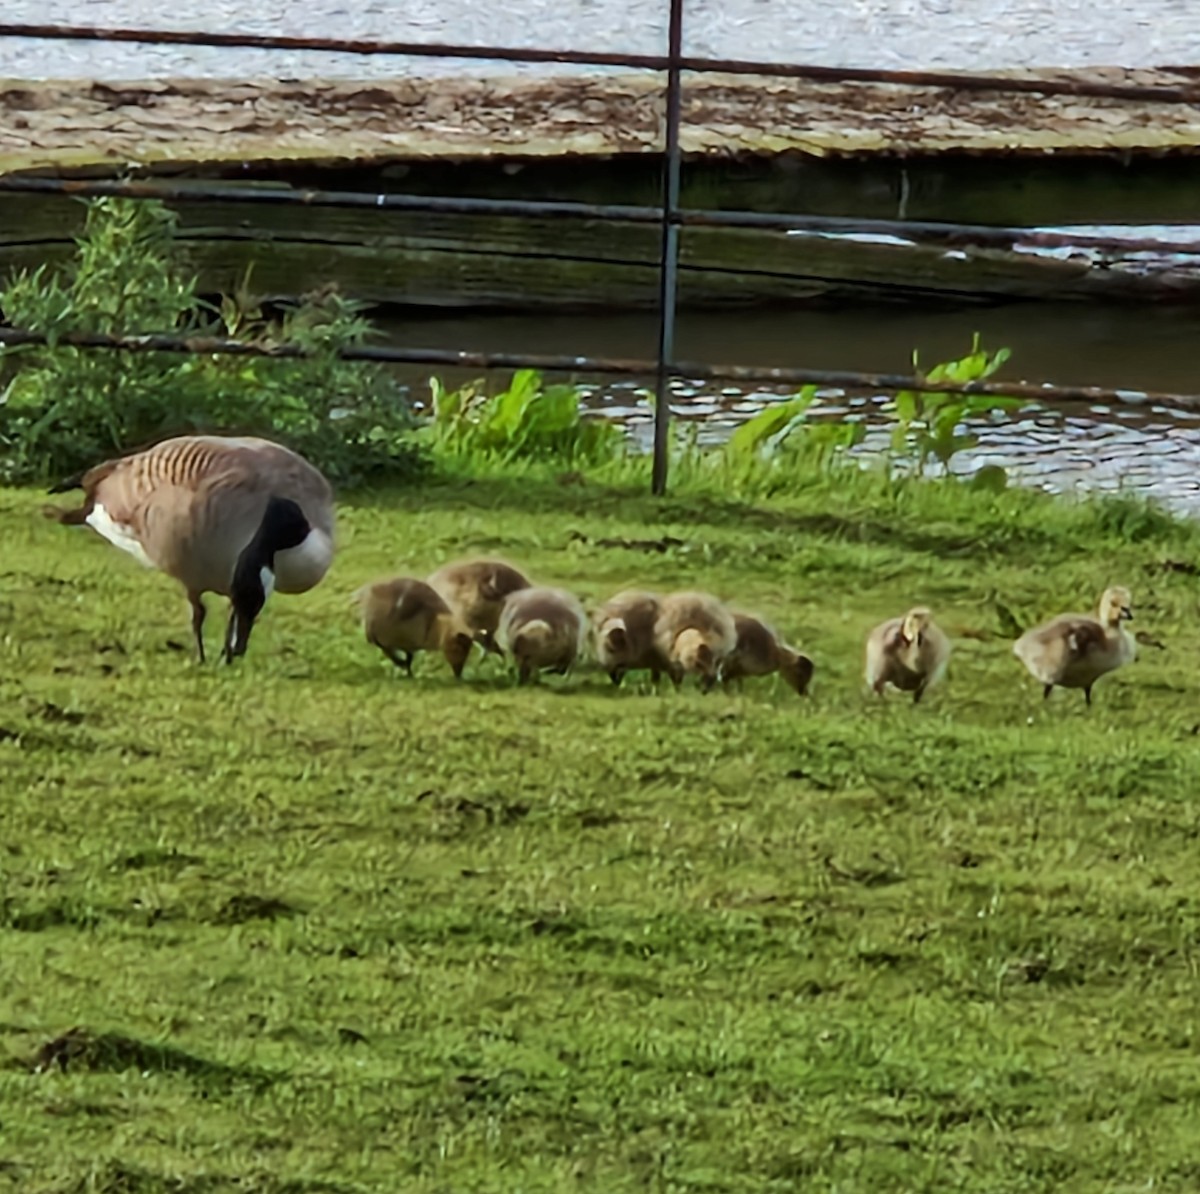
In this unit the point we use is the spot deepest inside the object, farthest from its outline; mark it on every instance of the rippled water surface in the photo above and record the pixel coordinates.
(1142, 446)
(963, 34)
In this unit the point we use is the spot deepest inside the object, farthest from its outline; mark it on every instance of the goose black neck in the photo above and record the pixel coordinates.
(283, 525)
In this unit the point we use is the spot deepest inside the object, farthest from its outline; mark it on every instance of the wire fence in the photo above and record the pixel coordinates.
(669, 216)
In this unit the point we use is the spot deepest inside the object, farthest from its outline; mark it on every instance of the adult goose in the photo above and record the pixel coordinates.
(239, 517)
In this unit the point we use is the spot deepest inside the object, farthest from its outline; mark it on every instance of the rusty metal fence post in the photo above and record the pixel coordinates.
(668, 266)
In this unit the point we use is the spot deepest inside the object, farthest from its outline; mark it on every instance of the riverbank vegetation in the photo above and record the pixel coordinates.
(302, 924)
(65, 408)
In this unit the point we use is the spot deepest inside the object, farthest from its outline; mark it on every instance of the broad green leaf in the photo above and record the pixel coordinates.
(906, 405)
(755, 432)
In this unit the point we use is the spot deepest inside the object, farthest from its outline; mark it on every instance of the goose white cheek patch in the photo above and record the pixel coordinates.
(120, 536)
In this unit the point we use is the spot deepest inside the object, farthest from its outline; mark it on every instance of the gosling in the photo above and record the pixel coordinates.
(761, 652)
(405, 615)
(625, 635)
(910, 653)
(543, 630)
(475, 590)
(694, 634)
(1075, 650)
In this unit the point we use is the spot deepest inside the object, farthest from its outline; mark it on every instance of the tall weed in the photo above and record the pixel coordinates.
(928, 424)
(526, 421)
(63, 409)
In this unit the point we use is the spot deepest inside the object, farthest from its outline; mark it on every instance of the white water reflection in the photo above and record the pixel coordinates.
(980, 34)
(1151, 451)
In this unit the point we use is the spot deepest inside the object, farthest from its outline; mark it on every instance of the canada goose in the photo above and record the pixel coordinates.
(1075, 650)
(625, 635)
(475, 590)
(760, 651)
(235, 516)
(910, 653)
(543, 629)
(403, 616)
(695, 633)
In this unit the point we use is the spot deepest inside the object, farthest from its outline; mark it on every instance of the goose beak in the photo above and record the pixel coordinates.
(1126, 614)
(238, 635)
(250, 592)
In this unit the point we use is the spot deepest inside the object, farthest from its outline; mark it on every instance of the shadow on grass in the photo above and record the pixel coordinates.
(116, 1177)
(113, 1053)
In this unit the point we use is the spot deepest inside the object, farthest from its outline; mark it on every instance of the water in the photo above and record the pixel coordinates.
(1139, 447)
(904, 34)
(1152, 451)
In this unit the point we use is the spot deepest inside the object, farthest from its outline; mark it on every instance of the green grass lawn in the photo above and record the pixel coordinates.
(327, 929)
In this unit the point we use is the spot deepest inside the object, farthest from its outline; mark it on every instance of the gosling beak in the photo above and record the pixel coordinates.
(1126, 613)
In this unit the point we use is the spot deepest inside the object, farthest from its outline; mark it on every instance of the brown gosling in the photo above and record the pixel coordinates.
(910, 653)
(542, 629)
(624, 635)
(1075, 650)
(237, 516)
(694, 633)
(405, 615)
(476, 590)
(760, 651)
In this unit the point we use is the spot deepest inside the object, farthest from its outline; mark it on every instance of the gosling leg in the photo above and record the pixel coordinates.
(404, 663)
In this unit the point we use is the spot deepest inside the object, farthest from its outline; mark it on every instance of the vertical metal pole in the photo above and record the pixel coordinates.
(668, 267)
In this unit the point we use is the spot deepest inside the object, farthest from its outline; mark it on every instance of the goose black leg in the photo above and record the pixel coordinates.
(198, 612)
(1087, 696)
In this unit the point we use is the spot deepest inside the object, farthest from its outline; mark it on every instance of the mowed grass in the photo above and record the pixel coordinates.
(322, 928)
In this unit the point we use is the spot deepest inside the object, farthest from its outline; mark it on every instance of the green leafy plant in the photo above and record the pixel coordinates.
(784, 429)
(526, 421)
(62, 408)
(927, 424)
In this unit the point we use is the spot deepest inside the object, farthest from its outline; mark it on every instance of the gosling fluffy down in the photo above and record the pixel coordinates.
(910, 653)
(476, 590)
(1075, 650)
(760, 651)
(624, 635)
(542, 629)
(404, 615)
(694, 633)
